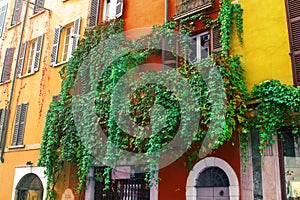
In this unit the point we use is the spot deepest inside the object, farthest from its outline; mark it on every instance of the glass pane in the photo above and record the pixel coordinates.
(193, 51)
(204, 46)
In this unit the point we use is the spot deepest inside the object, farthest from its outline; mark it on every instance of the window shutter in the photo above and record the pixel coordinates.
(2, 18)
(38, 53)
(21, 60)
(17, 12)
(119, 8)
(17, 125)
(20, 124)
(168, 58)
(55, 46)
(9, 54)
(293, 13)
(215, 39)
(76, 33)
(94, 13)
(39, 4)
(2, 121)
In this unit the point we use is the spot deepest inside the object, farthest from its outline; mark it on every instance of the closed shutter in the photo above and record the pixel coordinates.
(55, 46)
(94, 13)
(168, 53)
(293, 13)
(38, 53)
(2, 18)
(76, 33)
(39, 4)
(21, 60)
(20, 124)
(215, 39)
(119, 8)
(17, 12)
(7, 64)
(2, 121)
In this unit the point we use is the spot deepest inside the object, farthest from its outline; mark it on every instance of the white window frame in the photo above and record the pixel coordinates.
(111, 11)
(198, 45)
(30, 67)
(69, 45)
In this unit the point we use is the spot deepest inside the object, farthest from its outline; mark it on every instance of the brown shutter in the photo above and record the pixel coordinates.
(94, 13)
(38, 53)
(20, 124)
(9, 55)
(215, 39)
(55, 46)
(2, 18)
(76, 32)
(39, 4)
(293, 14)
(2, 121)
(17, 12)
(21, 60)
(168, 57)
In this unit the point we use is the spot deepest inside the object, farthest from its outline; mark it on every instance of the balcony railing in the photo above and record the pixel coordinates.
(188, 7)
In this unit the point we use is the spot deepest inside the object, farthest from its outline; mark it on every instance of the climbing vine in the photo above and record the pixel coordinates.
(88, 105)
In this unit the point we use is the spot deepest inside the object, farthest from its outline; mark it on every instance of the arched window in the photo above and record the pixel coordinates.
(29, 187)
(212, 183)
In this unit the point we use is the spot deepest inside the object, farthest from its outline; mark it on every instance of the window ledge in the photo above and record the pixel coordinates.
(13, 26)
(36, 14)
(59, 64)
(16, 147)
(25, 75)
(8, 81)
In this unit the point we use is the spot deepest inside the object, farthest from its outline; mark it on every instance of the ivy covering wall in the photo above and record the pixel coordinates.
(63, 140)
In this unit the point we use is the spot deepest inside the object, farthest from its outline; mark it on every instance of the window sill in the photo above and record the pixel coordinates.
(26, 75)
(16, 147)
(8, 81)
(13, 26)
(36, 14)
(59, 64)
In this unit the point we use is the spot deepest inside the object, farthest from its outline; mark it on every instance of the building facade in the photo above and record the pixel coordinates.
(38, 38)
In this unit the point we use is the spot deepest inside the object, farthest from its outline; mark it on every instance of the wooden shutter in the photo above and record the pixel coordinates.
(168, 57)
(2, 18)
(215, 39)
(2, 121)
(21, 60)
(119, 8)
(19, 128)
(17, 12)
(76, 33)
(55, 46)
(293, 13)
(9, 54)
(39, 4)
(38, 53)
(94, 13)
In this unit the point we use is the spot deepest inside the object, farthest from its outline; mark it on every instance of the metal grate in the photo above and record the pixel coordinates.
(185, 7)
(212, 177)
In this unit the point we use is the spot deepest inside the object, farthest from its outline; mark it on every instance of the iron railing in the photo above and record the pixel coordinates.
(186, 7)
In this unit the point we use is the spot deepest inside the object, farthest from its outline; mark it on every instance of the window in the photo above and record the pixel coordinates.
(2, 123)
(9, 54)
(30, 187)
(199, 47)
(2, 18)
(17, 12)
(94, 11)
(293, 15)
(19, 127)
(112, 9)
(38, 6)
(30, 56)
(65, 42)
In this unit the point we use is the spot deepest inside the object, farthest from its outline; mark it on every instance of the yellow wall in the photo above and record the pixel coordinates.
(266, 43)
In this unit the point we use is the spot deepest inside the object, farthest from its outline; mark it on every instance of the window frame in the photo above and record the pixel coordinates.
(113, 9)
(198, 46)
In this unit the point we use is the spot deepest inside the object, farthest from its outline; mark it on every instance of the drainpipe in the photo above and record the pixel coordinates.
(166, 10)
(6, 118)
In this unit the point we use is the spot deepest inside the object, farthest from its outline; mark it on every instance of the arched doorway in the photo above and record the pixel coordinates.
(30, 187)
(212, 166)
(212, 183)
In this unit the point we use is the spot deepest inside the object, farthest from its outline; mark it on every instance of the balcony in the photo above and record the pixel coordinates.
(188, 7)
